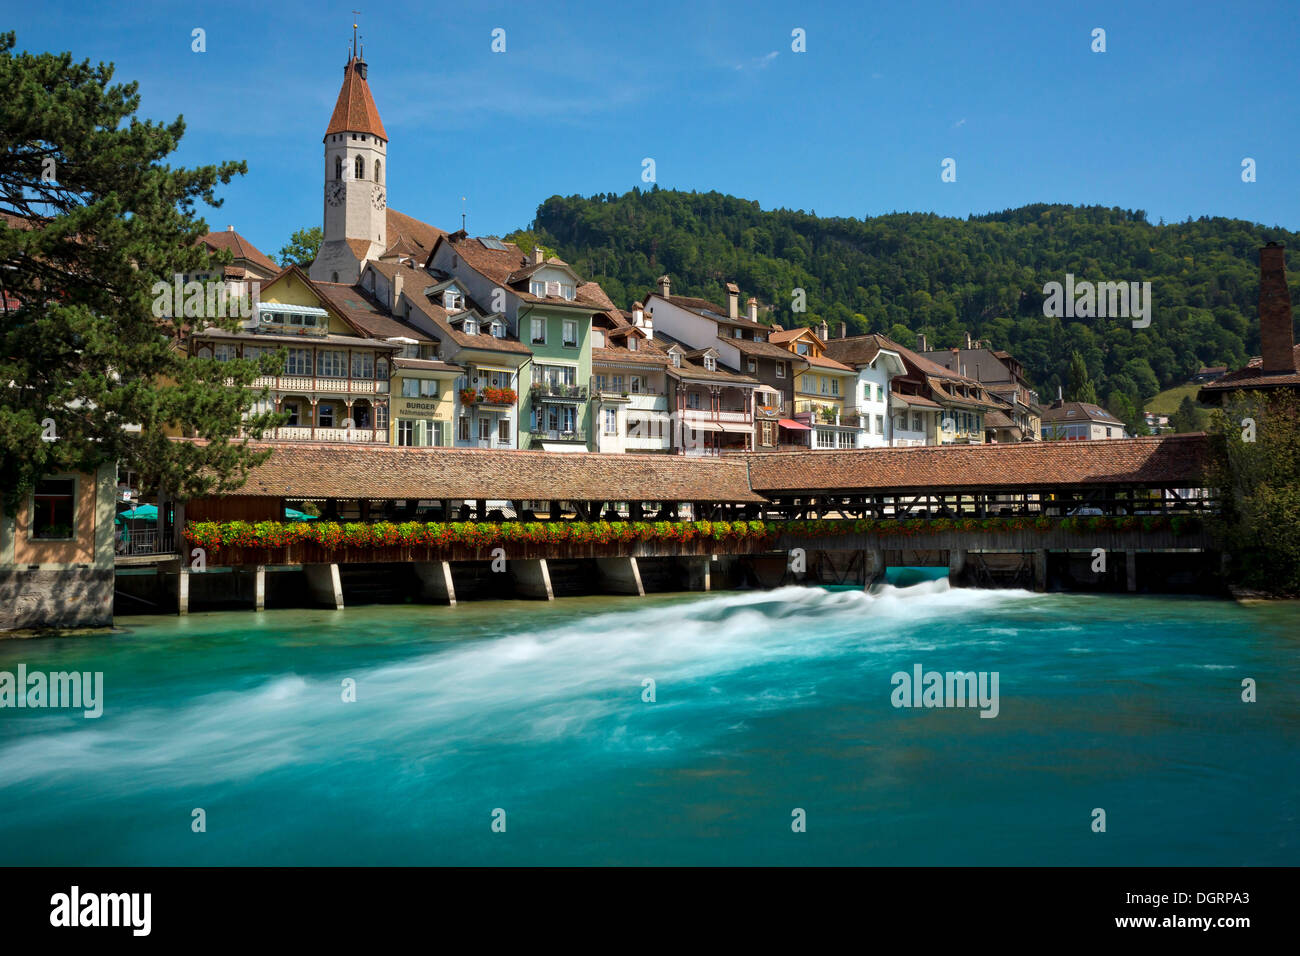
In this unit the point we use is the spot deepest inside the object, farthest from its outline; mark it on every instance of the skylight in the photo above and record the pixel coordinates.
(493, 243)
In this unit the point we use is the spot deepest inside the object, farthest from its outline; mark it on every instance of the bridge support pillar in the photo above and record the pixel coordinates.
(698, 573)
(956, 567)
(259, 589)
(325, 585)
(620, 576)
(183, 590)
(533, 579)
(873, 561)
(435, 581)
(1040, 569)
(1131, 570)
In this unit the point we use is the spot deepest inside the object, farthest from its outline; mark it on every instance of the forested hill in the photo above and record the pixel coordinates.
(907, 273)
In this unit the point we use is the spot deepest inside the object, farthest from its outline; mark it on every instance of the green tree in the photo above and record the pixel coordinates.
(1255, 473)
(302, 247)
(1187, 418)
(1080, 387)
(91, 217)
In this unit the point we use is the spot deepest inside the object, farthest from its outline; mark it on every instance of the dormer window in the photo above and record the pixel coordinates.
(452, 300)
(537, 287)
(710, 363)
(470, 327)
(802, 348)
(498, 330)
(677, 360)
(632, 343)
(737, 333)
(757, 337)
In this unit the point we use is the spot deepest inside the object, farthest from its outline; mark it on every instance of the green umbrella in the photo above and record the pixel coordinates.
(294, 515)
(142, 513)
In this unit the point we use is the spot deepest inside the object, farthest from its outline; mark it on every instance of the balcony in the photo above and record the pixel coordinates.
(307, 433)
(312, 383)
(573, 393)
(576, 436)
(502, 397)
(739, 415)
(781, 409)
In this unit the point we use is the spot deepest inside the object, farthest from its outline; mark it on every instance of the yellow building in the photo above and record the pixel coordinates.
(821, 389)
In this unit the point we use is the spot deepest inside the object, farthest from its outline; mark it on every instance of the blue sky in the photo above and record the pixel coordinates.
(856, 125)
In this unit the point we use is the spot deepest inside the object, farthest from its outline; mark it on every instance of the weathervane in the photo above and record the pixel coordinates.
(355, 13)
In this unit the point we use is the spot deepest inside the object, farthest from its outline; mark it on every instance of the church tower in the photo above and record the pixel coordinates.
(356, 161)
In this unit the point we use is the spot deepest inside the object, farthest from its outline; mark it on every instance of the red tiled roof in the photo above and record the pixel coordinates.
(400, 226)
(365, 312)
(1252, 376)
(503, 266)
(355, 111)
(239, 248)
(318, 470)
(1078, 412)
(1170, 460)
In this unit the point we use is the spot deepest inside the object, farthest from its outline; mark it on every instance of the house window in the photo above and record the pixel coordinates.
(825, 439)
(846, 440)
(635, 388)
(498, 330)
(768, 428)
(916, 424)
(539, 331)
(298, 362)
(616, 383)
(677, 360)
(53, 509)
(537, 287)
(470, 327)
(223, 353)
(325, 416)
(462, 429)
(485, 429)
(780, 370)
(737, 333)
(381, 369)
(361, 168)
(503, 431)
(363, 365)
(405, 431)
(611, 422)
(880, 424)
(334, 277)
(693, 400)
(835, 386)
(821, 379)
(570, 327)
(410, 388)
(752, 366)
(381, 416)
(292, 409)
(866, 392)
(567, 290)
(633, 343)
(801, 348)
(710, 363)
(598, 383)
(429, 387)
(331, 363)
(452, 300)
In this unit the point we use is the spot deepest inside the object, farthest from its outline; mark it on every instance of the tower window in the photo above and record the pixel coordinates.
(338, 167)
(377, 165)
(361, 167)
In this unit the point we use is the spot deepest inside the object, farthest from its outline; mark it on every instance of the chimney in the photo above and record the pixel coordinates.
(639, 318)
(539, 255)
(826, 331)
(921, 345)
(777, 328)
(663, 286)
(844, 330)
(968, 341)
(397, 291)
(1276, 334)
(230, 229)
(1060, 399)
(733, 300)
(752, 308)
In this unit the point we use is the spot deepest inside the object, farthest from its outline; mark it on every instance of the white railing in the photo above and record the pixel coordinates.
(303, 433)
(305, 383)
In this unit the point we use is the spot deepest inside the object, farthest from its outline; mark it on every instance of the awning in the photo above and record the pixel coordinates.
(702, 426)
(509, 369)
(794, 426)
(736, 427)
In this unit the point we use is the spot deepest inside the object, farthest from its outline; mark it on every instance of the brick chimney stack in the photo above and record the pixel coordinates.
(539, 255)
(1276, 333)
(664, 286)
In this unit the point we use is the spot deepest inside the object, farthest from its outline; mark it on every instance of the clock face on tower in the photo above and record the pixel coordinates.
(378, 197)
(335, 192)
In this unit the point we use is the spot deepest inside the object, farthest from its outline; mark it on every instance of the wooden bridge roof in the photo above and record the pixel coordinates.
(359, 471)
(1169, 461)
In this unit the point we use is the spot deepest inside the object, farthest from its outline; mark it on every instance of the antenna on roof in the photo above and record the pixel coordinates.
(462, 213)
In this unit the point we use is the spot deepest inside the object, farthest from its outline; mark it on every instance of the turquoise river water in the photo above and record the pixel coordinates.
(765, 703)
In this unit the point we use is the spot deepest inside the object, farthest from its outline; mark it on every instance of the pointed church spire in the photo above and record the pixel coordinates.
(355, 111)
